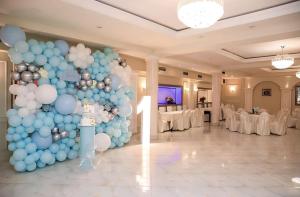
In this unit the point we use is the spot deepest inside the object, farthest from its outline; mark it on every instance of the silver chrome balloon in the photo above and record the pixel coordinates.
(26, 76)
(82, 82)
(89, 83)
(107, 80)
(107, 89)
(115, 110)
(32, 68)
(85, 75)
(64, 134)
(46, 107)
(107, 107)
(100, 85)
(84, 88)
(15, 76)
(36, 76)
(55, 130)
(123, 63)
(22, 82)
(21, 67)
(56, 137)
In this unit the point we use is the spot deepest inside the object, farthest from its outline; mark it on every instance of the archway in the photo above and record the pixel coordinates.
(271, 102)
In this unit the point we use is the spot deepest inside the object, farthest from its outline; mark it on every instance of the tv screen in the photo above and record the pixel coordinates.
(169, 95)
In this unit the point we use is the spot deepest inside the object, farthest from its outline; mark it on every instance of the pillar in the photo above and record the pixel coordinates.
(151, 90)
(216, 97)
(248, 99)
(286, 101)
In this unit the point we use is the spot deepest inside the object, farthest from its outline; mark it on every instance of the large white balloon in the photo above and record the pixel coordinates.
(102, 142)
(46, 94)
(81, 56)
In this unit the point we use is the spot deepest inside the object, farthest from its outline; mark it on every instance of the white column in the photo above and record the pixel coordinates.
(151, 90)
(286, 101)
(216, 97)
(248, 99)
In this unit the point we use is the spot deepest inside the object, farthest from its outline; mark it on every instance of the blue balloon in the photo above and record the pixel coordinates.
(61, 155)
(30, 148)
(125, 110)
(31, 167)
(29, 159)
(41, 142)
(21, 46)
(28, 120)
(72, 154)
(54, 148)
(65, 104)
(14, 120)
(20, 166)
(62, 46)
(19, 154)
(11, 34)
(28, 57)
(46, 157)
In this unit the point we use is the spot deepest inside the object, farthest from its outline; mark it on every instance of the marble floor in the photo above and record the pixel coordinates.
(202, 162)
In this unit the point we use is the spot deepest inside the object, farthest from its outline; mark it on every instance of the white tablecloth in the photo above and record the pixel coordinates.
(170, 116)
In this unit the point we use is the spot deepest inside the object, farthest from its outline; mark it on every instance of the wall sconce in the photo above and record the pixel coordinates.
(232, 88)
(143, 83)
(195, 87)
(186, 86)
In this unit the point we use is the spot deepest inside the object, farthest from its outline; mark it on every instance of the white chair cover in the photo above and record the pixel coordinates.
(234, 122)
(179, 108)
(240, 110)
(162, 124)
(263, 125)
(187, 119)
(227, 117)
(245, 123)
(170, 108)
(178, 124)
(161, 109)
(278, 126)
(197, 118)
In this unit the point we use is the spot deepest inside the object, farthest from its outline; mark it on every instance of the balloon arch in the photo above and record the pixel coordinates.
(52, 82)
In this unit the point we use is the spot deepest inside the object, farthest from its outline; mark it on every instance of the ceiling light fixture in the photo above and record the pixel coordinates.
(298, 74)
(282, 61)
(199, 13)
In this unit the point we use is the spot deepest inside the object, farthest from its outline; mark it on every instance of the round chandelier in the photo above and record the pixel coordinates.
(298, 74)
(282, 61)
(199, 13)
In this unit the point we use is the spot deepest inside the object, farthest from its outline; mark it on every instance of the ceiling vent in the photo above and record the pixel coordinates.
(185, 73)
(164, 69)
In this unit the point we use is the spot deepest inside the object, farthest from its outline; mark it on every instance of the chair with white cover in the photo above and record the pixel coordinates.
(240, 110)
(187, 119)
(227, 112)
(178, 123)
(234, 122)
(161, 109)
(263, 125)
(170, 108)
(245, 123)
(184, 107)
(179, 107)
(278, 126)
(293, 119)
(163, 125)
(197, 118)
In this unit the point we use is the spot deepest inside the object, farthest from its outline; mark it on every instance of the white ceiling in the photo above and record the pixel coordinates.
(252, 34)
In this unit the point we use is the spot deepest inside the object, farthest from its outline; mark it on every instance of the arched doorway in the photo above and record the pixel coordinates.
(271, 102)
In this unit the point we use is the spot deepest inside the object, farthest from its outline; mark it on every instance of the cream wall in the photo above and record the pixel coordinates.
(232, 92)
(271, 103)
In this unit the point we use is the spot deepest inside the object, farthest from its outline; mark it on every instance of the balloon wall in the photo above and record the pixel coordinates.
(52, 81)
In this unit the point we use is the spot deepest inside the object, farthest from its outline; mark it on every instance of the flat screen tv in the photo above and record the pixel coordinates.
(168, 95)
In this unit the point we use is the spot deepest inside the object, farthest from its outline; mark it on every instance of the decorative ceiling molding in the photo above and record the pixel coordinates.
(238, 57)
(182, 29)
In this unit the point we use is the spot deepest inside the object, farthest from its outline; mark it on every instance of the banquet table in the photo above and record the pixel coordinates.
(171, 116)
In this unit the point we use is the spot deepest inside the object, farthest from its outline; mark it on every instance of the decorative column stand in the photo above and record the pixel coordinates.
(216, 97)
(87, 138)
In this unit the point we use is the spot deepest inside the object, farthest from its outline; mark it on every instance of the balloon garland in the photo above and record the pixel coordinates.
(51, 84)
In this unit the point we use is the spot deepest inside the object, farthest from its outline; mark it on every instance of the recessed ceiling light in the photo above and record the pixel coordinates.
(98, 27)
(251, 26)
(296, 180)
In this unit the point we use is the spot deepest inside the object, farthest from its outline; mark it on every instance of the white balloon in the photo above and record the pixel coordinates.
(80, 56)
(23, 112)
(102, 142)
(13, 89)
(21, 101)
(31, 105)
(46, 94)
